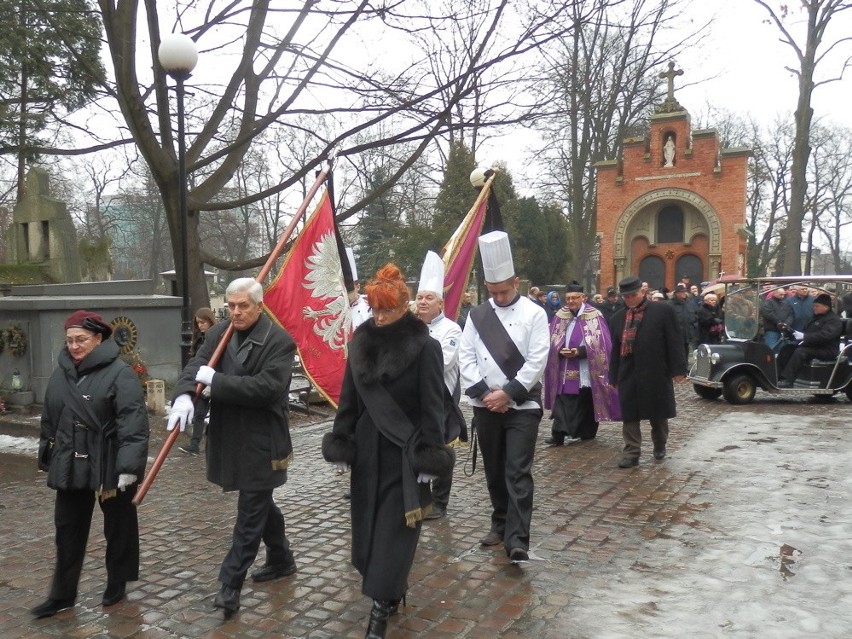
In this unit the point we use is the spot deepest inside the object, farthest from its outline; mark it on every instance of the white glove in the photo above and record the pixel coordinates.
(341, 467)
(423, 478)
(206, 392)
(799, 335)
(182, 412)
(125, 480)
(205, 375)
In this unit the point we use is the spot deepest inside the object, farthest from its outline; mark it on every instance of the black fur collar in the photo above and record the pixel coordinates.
(382, 353)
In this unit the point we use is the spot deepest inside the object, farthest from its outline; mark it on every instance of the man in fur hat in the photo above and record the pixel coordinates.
(503, 354)
(820, 340)
(576, 379)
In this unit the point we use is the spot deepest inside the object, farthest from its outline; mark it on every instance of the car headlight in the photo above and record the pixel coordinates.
(715, 358)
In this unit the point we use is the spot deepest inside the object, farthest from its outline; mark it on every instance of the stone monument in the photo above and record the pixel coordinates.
(42, 232)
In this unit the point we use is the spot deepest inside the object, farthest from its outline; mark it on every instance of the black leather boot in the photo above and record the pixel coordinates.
(378, 625)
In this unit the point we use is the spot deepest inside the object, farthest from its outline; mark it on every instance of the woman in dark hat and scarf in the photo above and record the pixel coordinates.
(94, 445)
(389, 429)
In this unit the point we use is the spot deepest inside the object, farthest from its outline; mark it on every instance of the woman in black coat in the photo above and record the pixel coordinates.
(389, 429)
(93, 445)
(710, 320)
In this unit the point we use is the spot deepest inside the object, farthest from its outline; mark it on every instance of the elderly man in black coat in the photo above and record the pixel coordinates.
(248, 437)
(647, 354)
(820, 340)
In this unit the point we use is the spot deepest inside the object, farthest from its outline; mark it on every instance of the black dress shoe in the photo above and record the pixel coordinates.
(519, 554)
(660, 453)
(553, 441)
(492, 539)
(114, 593)
(436, 513)
(228, 599)
(275, 571)
(628, 462)
(52, 606)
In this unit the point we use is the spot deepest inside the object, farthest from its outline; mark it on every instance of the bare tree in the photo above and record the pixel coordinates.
(829, 209)
(599, 82)
(768, 198)
(282, 65)
(818, 15)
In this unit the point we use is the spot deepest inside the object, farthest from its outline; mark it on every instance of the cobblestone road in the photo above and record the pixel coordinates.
(743, 531)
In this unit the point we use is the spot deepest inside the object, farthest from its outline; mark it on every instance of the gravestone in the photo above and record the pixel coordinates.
(42, 231)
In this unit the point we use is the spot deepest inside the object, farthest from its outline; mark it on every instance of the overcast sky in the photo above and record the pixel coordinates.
(739, 67)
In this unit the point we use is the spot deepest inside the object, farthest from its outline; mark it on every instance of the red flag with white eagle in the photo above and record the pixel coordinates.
(308, 299)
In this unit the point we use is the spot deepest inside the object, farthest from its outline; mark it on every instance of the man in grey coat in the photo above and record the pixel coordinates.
(248, 437)
(647, 354)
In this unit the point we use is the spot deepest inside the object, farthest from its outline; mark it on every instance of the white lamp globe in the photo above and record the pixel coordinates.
(477, 177)
(178, 54)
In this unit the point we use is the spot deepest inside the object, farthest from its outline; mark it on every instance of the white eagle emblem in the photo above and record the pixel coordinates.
(324, 279)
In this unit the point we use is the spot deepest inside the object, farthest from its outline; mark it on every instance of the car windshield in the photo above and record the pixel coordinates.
(741, 311)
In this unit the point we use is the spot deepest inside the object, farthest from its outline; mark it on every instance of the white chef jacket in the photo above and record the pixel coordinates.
(449, 334)
(361, 311)
(526, 324)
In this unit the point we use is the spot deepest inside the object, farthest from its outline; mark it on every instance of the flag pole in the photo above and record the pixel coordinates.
(229, 331)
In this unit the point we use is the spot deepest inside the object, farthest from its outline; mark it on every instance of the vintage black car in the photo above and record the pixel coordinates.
(743, 363)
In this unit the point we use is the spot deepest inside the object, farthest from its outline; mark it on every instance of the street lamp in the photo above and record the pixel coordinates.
(178, 56)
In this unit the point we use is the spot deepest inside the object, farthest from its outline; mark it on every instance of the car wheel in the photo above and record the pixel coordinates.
(740, 389)
(707, 393)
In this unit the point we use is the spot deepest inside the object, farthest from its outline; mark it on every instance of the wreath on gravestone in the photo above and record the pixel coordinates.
(16, 340)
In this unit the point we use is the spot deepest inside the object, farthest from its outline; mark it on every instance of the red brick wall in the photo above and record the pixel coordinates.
(700, 169)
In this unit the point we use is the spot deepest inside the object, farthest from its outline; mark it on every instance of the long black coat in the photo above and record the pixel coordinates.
(402, 358)
(117, 444)
(248, 437)
(644, 379)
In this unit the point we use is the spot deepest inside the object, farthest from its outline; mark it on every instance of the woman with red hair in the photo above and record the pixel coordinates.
(389, 430)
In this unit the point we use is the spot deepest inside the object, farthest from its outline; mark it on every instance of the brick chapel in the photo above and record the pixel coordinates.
(673, 205)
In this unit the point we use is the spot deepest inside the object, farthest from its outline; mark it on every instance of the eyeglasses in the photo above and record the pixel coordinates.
(76, 341)
(573, 298)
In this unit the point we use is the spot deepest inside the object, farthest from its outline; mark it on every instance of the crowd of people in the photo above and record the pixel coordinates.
(516, 358)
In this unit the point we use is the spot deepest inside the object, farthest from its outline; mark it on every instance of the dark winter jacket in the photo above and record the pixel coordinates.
(776, 312)
(822, 335)
(405, 361)
(248, 436)
(711, 325)
(644, 378)
(89, 455)
(803, 310)
(685, 312)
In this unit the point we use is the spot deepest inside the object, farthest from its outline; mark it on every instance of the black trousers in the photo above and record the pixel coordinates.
(72, 517)
(802, 356)
(507, 441)
(258, 519)
(202, 407)
(441, 487)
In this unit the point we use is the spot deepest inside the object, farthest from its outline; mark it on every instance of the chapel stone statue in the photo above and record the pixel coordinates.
(669, 151)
